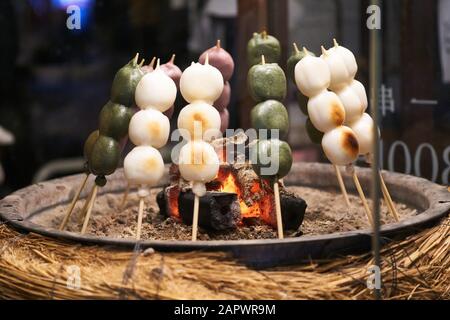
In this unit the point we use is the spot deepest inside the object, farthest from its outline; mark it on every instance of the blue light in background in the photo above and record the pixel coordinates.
(85, 10)
(63, 4)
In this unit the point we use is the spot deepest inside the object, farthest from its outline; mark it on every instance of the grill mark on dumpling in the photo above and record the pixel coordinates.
(350, 143)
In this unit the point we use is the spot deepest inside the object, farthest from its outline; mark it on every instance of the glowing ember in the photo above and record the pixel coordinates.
(172, 196)
(254, 195)
(229, 185)
(260, 208)
(235, 177)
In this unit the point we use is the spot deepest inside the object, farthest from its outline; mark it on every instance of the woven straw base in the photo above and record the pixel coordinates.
(36, 267)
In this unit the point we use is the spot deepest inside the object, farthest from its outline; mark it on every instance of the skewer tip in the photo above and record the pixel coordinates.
(263, 59)
(136, 57)
(264, 34)
(218, 44)
(324, 51)
(157, 63)
(295, 47)
(152, 63)
(335, 43)
(172, 59)
(207, 59)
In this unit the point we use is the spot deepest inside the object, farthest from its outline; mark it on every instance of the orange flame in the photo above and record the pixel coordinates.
(172, 194)
(226, 181)
(229, 185)
(259, 209)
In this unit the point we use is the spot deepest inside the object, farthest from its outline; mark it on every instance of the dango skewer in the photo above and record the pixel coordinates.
(343, 67)
(199, 123)
(149, 129)
(101, 150)
(104, 153)
(270, 114)
(171, 70)
(327, 115)
(338, 85)
(314, 135)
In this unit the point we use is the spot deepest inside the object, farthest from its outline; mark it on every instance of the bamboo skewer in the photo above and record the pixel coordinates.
(72, 204)
(195, 218)
(125, 197)
(85, 207)
(342, 185)
(388, 199)
(90, 206)
(139, 222)
(363, 197)
(276, 192)
(172, 58)
(152, 62)
(385, 197)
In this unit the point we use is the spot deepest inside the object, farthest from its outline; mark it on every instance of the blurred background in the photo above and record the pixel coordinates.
(55, 80)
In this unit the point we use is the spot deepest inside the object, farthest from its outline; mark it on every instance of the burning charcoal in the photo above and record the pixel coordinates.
(161, 201)
(214, 185)
(292, 210)
(167, 200)
(248, 198)
(218, 210)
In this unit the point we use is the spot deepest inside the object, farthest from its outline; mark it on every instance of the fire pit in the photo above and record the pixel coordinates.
(237, 196)
(33, 209)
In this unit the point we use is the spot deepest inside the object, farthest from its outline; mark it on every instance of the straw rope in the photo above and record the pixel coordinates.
(36, 267)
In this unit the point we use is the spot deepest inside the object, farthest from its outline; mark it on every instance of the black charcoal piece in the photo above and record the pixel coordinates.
(218, 211)
(292, 210)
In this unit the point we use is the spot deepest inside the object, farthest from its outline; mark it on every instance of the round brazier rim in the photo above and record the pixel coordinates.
(432, 198)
